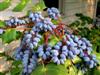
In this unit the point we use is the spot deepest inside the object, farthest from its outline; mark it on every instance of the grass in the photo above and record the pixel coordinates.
(21, 5)
(5, 4)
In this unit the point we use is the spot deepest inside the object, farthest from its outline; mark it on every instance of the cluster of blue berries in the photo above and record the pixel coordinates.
(36, 17)
(45, 25)
(15, 22)
(29, 60)
(53, 13)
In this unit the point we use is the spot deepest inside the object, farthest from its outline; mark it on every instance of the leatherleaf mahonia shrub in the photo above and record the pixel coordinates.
(47, 48)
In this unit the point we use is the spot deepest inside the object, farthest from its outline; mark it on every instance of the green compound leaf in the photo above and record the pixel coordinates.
(53, 69)
(21, 5)
(94, 71)
(16, 68)
(97, 71)
(53, 40)
(2, 73)
(10, 35)
(55, 22)
(40, 70)
(80, 72)
(41, 41)
(67, 63)
(5, 4)
(39, 6)
(76, 60)
(98, 57)
(50, 69)
(16, 63)
(2, 24)
(15, 71)
(72, 70)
